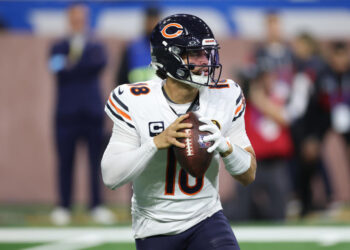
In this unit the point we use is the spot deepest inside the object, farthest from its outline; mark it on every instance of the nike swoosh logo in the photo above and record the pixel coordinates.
(120, 91)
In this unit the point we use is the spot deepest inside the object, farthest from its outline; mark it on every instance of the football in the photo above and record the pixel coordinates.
(194, 158)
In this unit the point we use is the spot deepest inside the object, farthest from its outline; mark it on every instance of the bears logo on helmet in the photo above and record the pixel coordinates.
(175, 34)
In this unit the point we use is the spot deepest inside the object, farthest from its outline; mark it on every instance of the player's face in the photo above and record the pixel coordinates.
(339, 60)
(78, 16)
(198, 57)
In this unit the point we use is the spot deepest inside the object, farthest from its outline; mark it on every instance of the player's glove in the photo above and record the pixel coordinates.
(221, 144)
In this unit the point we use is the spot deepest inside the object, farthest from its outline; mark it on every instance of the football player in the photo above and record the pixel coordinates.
(171, 209)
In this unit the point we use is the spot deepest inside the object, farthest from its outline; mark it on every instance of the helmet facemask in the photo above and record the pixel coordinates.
(205, 74)
(174, 43)
(195, 74)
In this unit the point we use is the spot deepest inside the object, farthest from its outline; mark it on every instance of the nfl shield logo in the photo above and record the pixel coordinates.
(203, 144)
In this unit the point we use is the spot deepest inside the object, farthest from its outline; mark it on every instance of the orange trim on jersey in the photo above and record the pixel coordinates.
(121, 112)
(176, 34)
(222, 84)
(238, 109)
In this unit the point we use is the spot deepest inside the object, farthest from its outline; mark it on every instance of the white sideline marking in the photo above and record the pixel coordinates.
(323, 235)
(61, 234)
(78, 238)
(86, 241)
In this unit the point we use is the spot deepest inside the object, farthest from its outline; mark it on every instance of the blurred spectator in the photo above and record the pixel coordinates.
(267, 125)
(306, 64)
(330, 107)
(136, 59)
(307, 158)
(332, 93)
(276, 52)
(307, 56)
(77, 61)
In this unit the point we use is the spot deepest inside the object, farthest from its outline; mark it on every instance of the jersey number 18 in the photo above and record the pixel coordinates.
(183, 178)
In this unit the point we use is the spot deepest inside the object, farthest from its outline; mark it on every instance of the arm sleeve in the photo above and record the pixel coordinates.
(90, 64)
(124, 158)
(117, 109)
(239, 161)
(57, 58)
(237, 133)
(95, 59)
(299, 98)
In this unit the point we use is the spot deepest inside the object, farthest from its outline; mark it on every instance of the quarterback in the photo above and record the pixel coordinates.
(171, 209)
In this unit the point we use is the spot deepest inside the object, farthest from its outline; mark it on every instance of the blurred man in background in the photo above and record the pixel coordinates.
(267, 122)
(77, 62)
(307, 157)
(330, 106)
(332, 95)
(276, 52)
(135, 63)
(266, 198)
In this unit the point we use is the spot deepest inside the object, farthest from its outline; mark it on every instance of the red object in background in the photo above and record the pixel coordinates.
(278, 145)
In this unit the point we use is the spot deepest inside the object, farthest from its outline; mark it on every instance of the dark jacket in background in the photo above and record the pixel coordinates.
(78, 87)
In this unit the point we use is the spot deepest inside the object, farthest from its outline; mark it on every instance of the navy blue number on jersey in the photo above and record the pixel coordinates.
(183, 178)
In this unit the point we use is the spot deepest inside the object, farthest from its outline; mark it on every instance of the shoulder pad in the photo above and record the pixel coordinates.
(117, 106)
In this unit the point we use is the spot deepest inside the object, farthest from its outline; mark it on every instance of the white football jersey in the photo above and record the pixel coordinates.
(167, 200)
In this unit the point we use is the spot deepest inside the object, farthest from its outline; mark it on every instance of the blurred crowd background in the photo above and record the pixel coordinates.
(58, 65)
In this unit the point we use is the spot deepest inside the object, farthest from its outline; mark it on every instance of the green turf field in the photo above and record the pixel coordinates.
(29, 228)
(244, 246)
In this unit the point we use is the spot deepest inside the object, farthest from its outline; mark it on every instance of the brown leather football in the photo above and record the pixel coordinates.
(194, 158)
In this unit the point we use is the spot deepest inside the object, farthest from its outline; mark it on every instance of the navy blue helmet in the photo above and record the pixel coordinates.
(180, 35)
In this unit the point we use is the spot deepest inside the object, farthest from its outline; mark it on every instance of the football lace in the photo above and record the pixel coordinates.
(188, 143)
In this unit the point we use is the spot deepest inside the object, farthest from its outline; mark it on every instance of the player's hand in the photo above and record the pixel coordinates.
(169, 136)
(221, 144)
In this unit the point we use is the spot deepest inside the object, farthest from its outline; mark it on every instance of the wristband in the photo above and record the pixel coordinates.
(238, 161)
